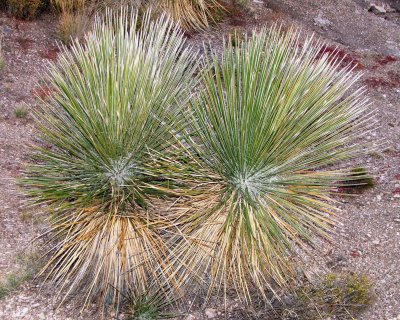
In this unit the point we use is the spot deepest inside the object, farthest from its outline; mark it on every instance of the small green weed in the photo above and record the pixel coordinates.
(21, 112)
(2, 61)
(147, 307)
(28, 266)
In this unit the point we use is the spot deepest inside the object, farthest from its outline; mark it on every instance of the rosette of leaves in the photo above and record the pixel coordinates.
(114, 110)
(271, 123)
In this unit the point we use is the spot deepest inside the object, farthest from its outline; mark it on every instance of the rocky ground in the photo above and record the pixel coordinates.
(368, 239)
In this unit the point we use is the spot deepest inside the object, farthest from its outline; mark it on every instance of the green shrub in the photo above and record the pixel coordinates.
(110, 122)
(343, 296)
(337, 295)
(267, 127)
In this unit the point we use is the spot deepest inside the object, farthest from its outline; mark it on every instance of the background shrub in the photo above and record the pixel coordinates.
(190, 14)
(193, 14)
(25, 9)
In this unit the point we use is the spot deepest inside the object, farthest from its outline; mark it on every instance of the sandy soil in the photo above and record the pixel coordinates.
(369, 238)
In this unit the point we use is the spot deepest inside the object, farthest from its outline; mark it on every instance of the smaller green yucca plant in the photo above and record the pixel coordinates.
(269, 124)
(114, 111)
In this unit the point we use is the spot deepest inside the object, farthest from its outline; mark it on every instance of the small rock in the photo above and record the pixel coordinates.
(379, 197)
(375, 242)
(356, 253)
(376, 9)
(396, 220)
(210, 313)
(321, 21)
(24, 311)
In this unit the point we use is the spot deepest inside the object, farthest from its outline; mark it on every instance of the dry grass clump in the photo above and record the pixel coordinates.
(193, 14)
(69, 5)
(76, 17)
(73, 25)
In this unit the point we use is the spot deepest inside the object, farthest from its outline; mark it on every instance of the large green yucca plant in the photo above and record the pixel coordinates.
(114, 110)
(271, 121)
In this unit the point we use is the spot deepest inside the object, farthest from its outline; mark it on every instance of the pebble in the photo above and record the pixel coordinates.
(23, 311)
(375, 242)
(321, 22)
(211, 313)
